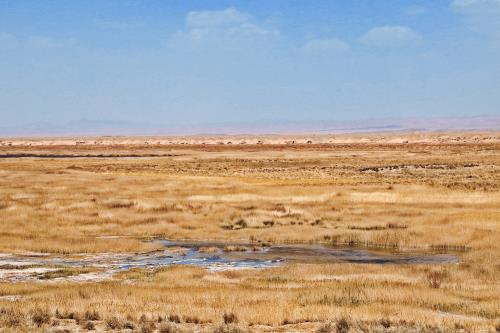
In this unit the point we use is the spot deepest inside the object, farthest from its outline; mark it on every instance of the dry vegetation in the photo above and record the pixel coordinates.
(434, 194)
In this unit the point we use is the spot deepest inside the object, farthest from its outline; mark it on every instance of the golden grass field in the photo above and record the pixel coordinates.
(410, 192)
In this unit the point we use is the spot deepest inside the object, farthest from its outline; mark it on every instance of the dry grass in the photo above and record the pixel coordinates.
(302, 294)
(431, 196)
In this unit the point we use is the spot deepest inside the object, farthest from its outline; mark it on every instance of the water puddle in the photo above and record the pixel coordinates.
(213, 256)
(304, 253)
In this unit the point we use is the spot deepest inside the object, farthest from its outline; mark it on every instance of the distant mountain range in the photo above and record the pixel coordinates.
(108, 127)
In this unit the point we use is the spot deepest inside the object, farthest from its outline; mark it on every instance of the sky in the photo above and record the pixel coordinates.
(205, 61)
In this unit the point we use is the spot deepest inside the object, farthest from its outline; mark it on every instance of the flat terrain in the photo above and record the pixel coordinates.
(404, 193)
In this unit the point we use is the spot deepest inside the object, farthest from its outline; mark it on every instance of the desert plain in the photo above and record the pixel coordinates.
(380, 232)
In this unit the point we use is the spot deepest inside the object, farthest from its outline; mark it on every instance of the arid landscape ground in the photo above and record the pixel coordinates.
(70, 208)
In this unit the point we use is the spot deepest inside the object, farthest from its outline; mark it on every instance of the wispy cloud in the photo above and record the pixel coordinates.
(216, 18)
(473, 3)
(223, 24)
(324, 46)
(482, 16)
(10, 41)
(48, 42)
(116, 25)
(391, 36)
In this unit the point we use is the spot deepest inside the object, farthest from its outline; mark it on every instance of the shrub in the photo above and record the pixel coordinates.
(342, 326)
(386, 323)
(435, 278)
(11, 318)
(113, 323)
(174, 318)
(92, 315)
(229, 318)
(76, 317)
(40, 317)
(240, 224)
(69, 315)
(192, 320)
(89, 326)
(268, 223)
(129, 325)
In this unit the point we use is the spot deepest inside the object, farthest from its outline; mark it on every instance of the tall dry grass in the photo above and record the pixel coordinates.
(437, 196)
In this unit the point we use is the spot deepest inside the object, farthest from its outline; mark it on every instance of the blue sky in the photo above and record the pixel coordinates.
(236, 61)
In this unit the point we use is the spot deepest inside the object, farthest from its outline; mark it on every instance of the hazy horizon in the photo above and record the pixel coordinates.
(88, 127)
(186, 63)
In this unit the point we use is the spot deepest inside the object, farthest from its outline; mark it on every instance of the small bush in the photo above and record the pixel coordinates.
(128, 325)
(114, 323)
(268, 223)
(40, 317)
(192, 320)
(240, 224)
(174, 318)
(89, 326)
(229, 318)
(435, 278)
(386, 323)
(92, 315)
(76, 317)
(69, 315)
(11, 318)
(342, 326)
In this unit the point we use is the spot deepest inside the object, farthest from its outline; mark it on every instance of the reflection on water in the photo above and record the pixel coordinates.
(219, 256)
(311, 254)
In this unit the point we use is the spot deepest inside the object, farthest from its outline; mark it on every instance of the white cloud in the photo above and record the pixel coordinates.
(252, 29)
(228, 23)
(324, 46)
(216, 18)
(391, 36)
